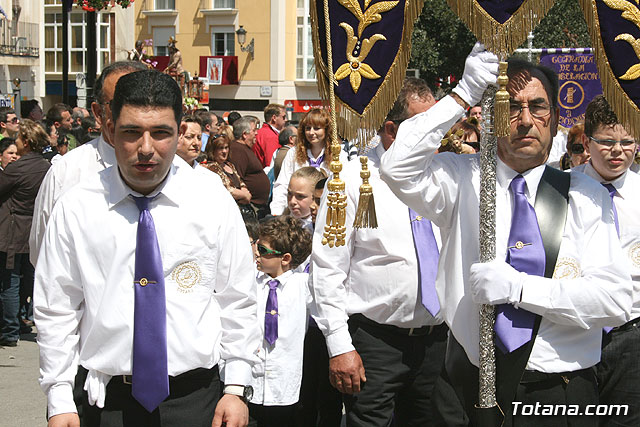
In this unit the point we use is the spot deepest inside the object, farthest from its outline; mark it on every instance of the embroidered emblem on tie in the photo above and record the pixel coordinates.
(186, 275)
(144, 281)
(519, 245)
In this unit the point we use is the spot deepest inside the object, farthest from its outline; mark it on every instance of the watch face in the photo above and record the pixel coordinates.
(248, 392)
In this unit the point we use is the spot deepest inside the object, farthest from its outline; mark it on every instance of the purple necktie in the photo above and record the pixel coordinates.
(271, 313)
(525, 252)
(316, 163)
(612, 192)
(150, 379)
(427, 255)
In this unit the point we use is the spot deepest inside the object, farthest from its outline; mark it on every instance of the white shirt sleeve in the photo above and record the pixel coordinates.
(42, 210)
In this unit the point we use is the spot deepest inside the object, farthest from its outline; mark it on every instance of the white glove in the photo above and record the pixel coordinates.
(495, 282)
(96, 387)
(480, 70)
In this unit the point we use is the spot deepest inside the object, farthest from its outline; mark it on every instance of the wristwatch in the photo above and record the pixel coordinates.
(243, 392)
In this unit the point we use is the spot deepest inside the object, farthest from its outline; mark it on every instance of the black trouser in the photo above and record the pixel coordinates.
(272, 416)
(619, 374)
(401, 370)
(320, 403)
(192, 402)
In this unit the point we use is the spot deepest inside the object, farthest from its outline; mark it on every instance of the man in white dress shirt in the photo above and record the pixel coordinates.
(612, 151)
(85, 291)
(386, 350)
(82, 162)
(590, 286)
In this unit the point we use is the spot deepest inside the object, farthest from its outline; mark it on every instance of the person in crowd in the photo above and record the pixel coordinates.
(247, 164)
(60, 116)
(8, 152)
(275, 117)
(210, 123)
(462, 138)
(550, 314)
(30, 109)
(61, 149)
(83, 162)
(9, 123)
(283, 297)
(19, 184)
(189, 140)
(386, 341)
(317, 196)
(312, 149)
(232, 117)
(611, 150)
(90, 130)
(300, 194)
(287, 140)
(576, 154)
(182, 293)
(51, 150)
(218, 161)
(475, 112)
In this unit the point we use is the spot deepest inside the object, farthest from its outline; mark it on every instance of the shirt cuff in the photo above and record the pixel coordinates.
(339, 342)
(60, 400)
(237, 371)
(536, 292)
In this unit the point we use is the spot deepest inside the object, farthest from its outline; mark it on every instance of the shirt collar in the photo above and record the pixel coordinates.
(504, 176)
(618, 183)
(281, 278)
(106, 152)
(274, 129)
(311, 155)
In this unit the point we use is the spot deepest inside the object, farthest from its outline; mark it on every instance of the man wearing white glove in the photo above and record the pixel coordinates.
(555, 286)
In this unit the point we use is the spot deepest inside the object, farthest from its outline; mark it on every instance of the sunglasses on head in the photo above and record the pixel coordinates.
(577, 148)
(263, 250)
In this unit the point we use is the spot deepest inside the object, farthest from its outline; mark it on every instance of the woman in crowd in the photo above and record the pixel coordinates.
(217, 151)
(19, 185)
(312, 149)
(8, 152)
(189, 140)
(576, 154)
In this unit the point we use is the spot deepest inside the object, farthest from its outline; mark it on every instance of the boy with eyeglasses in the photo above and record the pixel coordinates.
(612, 151)
(9, 123)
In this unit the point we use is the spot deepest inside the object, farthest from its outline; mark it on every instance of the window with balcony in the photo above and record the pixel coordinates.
(165, 4)
(305, 67)
(77, 39)
(223, 44)
(224, 4)
(161, 36)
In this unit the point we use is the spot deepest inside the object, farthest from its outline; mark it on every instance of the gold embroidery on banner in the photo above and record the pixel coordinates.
(630, 13)
(634, 254)
(566, 268)
(186, 275)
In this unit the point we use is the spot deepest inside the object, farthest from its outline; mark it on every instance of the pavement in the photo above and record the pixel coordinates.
(22, 402)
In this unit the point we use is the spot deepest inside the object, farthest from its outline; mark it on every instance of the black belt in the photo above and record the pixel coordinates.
(631, 324)
(536, 377)
(411, 332)
(184, 377)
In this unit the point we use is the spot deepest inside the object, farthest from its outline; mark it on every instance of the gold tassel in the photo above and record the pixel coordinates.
(501, 112)
(366, 213)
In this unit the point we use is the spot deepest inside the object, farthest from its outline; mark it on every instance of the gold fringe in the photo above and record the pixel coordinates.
(626, 110)
(501, 108)
(501, 39)
(366, 214)
(362, 127)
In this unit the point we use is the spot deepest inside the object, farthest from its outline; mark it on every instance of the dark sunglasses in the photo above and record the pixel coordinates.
(577, 148)
(263, 250)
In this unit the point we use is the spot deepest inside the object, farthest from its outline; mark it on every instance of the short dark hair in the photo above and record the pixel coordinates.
(4, 113)
(54, 114)
(599, 113)
(5, 143)
(286, 133)
(114, 67)
(272, 110)
(204, 118)
(27, 106)
(549, 81)
(286, 234)
(232, 117)
(148, 88)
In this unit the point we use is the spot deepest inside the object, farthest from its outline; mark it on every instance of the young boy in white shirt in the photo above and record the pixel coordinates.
(283, 296)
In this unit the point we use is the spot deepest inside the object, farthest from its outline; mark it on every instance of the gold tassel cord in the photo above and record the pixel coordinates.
(366, 213)
(335, 230)
(626, 110)
(501, 108)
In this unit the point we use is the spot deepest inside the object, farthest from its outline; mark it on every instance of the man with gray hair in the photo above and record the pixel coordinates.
(247, 164)
(286, 139)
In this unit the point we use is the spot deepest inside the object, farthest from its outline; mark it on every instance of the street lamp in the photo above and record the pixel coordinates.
(242, 38)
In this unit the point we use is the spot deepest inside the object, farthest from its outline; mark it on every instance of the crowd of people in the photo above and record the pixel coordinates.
(175, 269)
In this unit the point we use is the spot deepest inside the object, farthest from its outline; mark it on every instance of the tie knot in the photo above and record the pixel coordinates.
(142, 203)
(518, 185)
(273, 284)
(610, 188)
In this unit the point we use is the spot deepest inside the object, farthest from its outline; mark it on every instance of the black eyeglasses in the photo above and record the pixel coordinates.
(610, 143)
(539, 111)
(263, 250)
(577, 148)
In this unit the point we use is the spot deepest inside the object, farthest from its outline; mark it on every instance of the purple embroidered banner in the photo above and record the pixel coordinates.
(579, 83)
